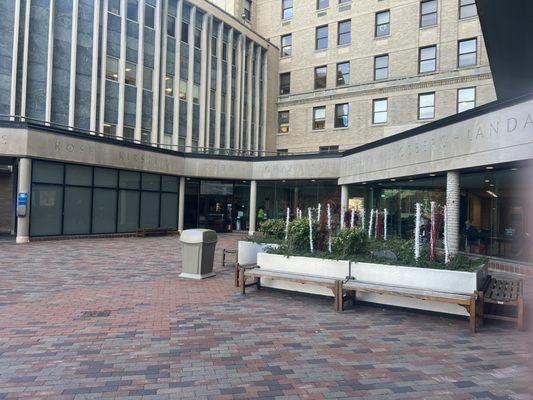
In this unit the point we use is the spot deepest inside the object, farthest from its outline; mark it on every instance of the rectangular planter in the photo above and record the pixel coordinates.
(247, 251)
(394, 275)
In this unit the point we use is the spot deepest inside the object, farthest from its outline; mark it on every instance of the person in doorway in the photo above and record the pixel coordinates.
(471, 235)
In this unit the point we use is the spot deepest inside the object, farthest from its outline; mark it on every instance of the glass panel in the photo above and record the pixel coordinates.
(147, 78)
(111, 68)
(427, 53)
(169, 210)
(128, 211)
(192, 190)
(169, 183)
(130, 180)
(46, 209)
(133, 10)
(77, 218)
(320, 112)
(105, 177)
(467, 46)
(104, 210)
(171, 25)
(466, 60)
(382, 62)
(383, 18)
(380, 105)
(149, 16)
(169, 85)
(427, 100)
(149, 210)
(150, 181)
(78, 175)
(47, 172)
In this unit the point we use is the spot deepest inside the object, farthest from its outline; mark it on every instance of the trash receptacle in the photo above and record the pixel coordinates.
(198, 253)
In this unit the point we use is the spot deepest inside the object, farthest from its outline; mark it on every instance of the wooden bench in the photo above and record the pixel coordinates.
(257, 273)
(143, 232)
(226, 252)
(506, 292)
(469, 301)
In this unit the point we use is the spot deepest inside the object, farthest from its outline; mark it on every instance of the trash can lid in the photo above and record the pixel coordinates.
(198, 236)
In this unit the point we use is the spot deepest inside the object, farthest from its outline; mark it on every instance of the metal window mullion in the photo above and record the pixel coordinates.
(49, 64)
(103, 68)
(94, 68)
(177, 78)
(139, 76)
(73, 54)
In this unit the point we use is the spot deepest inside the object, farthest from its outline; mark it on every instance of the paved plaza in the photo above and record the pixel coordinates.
(110, 318)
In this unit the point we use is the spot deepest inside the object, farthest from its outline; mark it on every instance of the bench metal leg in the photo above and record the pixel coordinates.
(481, 309)
(472, 322)
(243, 281)
(223, 258)
(236, 275)
(258, 283)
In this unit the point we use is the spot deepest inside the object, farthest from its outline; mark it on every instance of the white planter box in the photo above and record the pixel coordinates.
(247, 251)
(394, 275)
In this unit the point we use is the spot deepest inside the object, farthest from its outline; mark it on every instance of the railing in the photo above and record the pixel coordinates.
(178, 148)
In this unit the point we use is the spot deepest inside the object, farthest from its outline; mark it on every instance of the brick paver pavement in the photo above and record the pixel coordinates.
(152, 335)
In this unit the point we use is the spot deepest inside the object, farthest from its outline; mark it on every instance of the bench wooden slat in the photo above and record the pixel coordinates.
(299, 278)
(507, 292)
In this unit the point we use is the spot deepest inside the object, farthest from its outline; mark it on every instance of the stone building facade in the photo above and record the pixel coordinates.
(424, 78)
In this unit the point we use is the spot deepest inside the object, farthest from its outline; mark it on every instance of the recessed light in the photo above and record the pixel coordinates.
(487, 180)
(492, 194)
(431, 174)
(313, 180)
(489, 167)
(393, 180)
(492, 185)
(514, 169)
(411, 180)
(364, 183)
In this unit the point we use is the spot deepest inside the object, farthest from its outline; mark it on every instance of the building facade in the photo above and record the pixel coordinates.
(352, 72)
(186, 76)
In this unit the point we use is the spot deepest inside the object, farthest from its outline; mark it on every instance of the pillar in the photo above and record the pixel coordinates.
(452, 205)
(181, 204)
(344, 203)
(24, 186)
(253, 207)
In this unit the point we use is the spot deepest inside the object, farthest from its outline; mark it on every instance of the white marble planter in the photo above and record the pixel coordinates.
(247, 251)
(394, 275)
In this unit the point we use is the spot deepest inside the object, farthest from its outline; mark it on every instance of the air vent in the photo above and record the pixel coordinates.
(345, 7)
(285, 23)
(321, 13)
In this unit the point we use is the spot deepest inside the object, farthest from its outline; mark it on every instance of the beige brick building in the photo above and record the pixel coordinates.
(422, 40)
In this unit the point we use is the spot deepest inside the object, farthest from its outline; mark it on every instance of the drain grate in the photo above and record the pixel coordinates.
(95, 314)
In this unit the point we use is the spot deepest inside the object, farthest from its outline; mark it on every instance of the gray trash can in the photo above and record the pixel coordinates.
(198, 253)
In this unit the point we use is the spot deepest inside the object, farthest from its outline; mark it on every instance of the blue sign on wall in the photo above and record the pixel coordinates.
(22, 199)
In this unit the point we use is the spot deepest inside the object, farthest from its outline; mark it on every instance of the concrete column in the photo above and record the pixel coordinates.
(73, 55)
(177, 54)
(160, 139)
(181, 204)
(23, 99)
(218, 87)
(344, 203)
(228, 88)
(49, 64)
(238, 92)
(156, 75)
(103, 62)
(139, 76)
(253, 207)
(250, 50)
(24, 186)
(94, 68)
(205, 82)
(190, 81)
(14, 65)
(453, 205)
(257, 101)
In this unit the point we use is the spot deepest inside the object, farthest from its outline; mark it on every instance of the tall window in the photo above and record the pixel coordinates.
(128, 132)
(381, 67)
(344, 32)
(113, 6)
(320, 4)
(467, 52)
(247, 10)
(286, 9)
(321, 37)
(382, 23)
(283, 122)
(171, 25)
(466, 99)
(343, 73)
(285, 83)
(133, 10)
(427, 59)
(130, 74)
(169, 85)
(111, 68)
(379, 111)
(321, 77)
(147, 78)
(319, 117)
(286, 45)
(149, 16)
(341, 115)
(428, 13)
(467, 8)
(426, 105)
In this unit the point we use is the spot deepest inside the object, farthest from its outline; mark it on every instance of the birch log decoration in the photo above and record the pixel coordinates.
(318, 212)
(329, 228)
(385, 214)
(370, 223)
(432, 233)
(417, 232)
(352, 218)
(287, 223)
(363, 214)
(310, 218)
(446, 250)
(376, 223)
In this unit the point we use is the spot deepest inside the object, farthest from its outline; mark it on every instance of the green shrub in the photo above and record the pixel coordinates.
(298, 234)
(350, 242)
(273, 228)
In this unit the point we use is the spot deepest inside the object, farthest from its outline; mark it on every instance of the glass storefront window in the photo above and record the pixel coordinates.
(149, 210)
(128, 210)
(77, 218)
(104, 210)
(78, 175)
(46, 209)
(104, 177)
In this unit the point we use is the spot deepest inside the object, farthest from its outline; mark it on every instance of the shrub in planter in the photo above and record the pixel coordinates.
(298, 234)
(350, 241)
(273, 228)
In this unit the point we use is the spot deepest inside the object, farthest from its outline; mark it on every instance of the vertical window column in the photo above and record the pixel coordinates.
(190, 80)
(139, 78)
(177, 80)
(121, 69)
(257, 101)
(103, 68)
(229, 89)
(49, 64)
(94, 69)
(218, 101)
(203, 97)
(163, 68)
(73, 52)
(238, 92)
(156, 74)
(251, 51)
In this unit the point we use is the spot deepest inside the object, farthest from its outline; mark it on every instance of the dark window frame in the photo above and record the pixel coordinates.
(422, 14)
(345, 116)
(376, 69)
(319, 120)
(343, 34)
(318, 82)
(377, 26)
(420, 107)
(374, 112)
(420, 60)
(459, 54)
(321, 28)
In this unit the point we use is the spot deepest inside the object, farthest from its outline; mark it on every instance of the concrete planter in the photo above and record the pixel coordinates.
(247, 251)
(394, 275)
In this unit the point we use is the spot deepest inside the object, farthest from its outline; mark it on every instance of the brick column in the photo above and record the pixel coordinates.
(453, 204)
